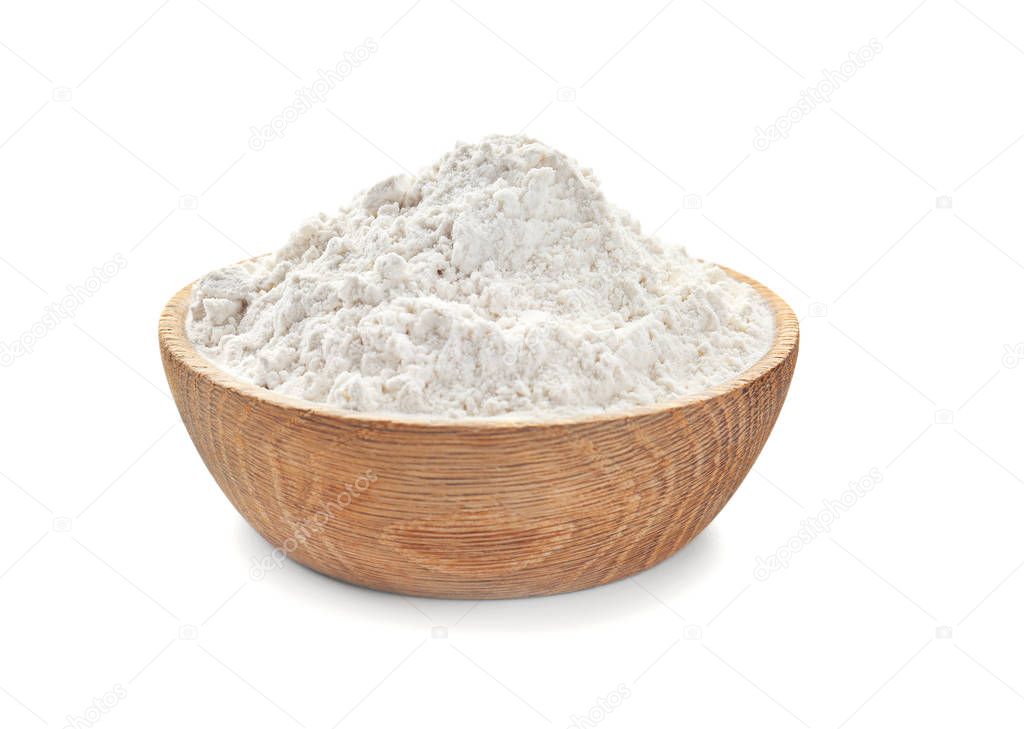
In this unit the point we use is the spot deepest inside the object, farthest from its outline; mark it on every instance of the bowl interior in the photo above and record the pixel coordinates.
(175, 339)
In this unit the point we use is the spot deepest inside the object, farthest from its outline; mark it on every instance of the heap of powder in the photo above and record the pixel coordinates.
(498, 282)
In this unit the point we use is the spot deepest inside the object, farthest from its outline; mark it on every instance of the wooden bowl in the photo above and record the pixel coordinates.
(478, 508)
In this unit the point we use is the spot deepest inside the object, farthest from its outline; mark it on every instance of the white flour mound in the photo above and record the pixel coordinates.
(497, 282)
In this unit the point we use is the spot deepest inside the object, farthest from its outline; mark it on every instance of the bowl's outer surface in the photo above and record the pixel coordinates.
(477, 509)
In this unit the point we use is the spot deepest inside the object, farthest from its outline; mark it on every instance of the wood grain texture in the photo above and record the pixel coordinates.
(479, 508)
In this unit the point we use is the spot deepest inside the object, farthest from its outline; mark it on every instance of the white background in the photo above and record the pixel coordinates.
(122, 567)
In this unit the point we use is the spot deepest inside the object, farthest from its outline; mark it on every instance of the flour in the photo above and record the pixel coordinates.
(497, 282)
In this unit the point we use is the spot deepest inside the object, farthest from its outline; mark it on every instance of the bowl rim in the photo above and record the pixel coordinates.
(175, 342)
